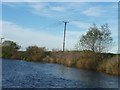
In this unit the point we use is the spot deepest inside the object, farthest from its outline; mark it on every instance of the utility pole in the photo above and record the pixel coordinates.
(65, 25)
(1, 40)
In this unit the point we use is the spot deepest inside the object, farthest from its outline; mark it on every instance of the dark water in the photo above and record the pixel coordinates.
(22, 74)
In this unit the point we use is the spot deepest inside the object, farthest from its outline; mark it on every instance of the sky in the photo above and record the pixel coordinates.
(41, 23)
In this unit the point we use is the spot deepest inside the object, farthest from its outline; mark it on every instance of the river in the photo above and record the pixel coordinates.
(22, 74)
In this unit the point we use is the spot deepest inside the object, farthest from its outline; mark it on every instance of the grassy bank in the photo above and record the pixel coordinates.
(102, 62)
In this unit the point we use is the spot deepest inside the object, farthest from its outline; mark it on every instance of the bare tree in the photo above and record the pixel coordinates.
(96, 39)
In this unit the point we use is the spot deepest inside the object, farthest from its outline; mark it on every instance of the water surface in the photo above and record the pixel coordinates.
(22, 74)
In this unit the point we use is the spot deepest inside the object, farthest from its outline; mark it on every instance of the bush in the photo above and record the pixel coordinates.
(48, 59)
(110, 66)
(9, 48)
(35, 53)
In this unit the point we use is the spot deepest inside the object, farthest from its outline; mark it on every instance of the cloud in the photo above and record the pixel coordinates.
(93, 11)
(45, 9)
(38, 6)
(58, 8)
(61, 9)
(25, 36)
(83, 25)
(55, 10)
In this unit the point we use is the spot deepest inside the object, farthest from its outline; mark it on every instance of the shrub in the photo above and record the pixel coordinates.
(110, 65)
(35, 53)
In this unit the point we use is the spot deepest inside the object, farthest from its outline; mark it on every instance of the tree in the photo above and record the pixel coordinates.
(105, 39)
(96, 39)
(9, 48)
(34, 53)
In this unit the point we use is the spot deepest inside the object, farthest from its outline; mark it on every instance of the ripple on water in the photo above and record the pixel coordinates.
(38, 75)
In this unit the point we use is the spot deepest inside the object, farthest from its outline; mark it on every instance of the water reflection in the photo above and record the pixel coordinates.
(90, 77)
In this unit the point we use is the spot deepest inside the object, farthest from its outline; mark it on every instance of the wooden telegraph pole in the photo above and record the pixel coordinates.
(65, 26)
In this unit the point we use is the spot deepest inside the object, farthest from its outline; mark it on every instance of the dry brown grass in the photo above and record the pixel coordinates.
(110, 66)
(102, 62)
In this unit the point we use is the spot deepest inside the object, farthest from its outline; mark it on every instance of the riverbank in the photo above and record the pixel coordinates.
(102, 62)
